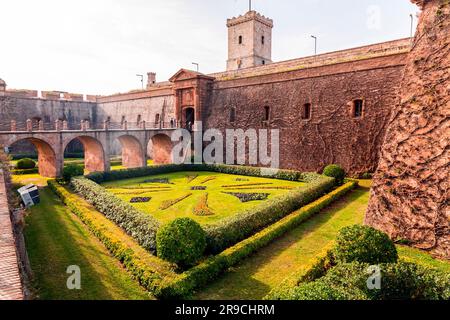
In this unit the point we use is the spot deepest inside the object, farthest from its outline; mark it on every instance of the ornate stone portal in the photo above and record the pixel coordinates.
(410, 195)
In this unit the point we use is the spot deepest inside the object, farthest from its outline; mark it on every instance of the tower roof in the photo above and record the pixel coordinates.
(249, 16)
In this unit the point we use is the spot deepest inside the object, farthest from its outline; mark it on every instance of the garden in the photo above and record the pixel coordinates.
(199, 231)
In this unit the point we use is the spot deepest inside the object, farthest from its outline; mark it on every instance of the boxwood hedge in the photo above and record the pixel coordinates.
(142, 227)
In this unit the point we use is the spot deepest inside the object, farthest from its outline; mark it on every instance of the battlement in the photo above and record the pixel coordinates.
(250, 16)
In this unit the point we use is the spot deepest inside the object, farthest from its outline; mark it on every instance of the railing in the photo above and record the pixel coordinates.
(58, 125)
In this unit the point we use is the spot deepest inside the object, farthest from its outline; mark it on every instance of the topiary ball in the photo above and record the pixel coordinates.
(182, 241)
(364, 244)
(335, 171)
(72, 170)
(25, 163)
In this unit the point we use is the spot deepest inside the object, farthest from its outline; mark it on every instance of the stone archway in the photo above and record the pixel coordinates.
(161, 149)
(47, 160)
(94, 154)
(133, 155)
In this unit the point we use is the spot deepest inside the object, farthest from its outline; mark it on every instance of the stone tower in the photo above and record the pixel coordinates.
(410, 193)
(249, 41)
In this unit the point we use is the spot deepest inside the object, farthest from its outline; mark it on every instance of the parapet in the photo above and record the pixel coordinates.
(20, 93)
(249, 16)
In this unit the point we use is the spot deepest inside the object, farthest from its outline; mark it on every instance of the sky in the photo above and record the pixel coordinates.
(98, 46)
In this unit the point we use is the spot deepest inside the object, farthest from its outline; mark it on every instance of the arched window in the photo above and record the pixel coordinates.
(139, 119)
(358, 108)
(233, 115)
(266, 113)
(306, 111)
(157, 118)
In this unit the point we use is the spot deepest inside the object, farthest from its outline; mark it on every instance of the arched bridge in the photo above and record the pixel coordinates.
(51, 141)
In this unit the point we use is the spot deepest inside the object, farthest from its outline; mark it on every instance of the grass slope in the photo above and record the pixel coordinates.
(56, 239)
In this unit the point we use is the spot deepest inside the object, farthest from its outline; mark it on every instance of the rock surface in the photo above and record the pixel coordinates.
(410, 195)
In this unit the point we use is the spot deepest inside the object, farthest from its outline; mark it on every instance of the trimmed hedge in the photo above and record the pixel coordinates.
(72, 170)
(25, 163)
(207, 271)
(181, 241)
(364, 244)
(335, 171)
(25, 171)
(235, 228)
(289, 175)
(399, 281)
(142, 227)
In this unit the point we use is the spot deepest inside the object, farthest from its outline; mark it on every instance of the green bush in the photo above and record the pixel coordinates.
(181, 241)
(141, 226)
(25, 163)
(398, 281)
(24, 171)
(72, 170)
(335, 171)
(364, 244)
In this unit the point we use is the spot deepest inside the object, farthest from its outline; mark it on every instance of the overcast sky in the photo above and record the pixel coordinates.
(98, 46)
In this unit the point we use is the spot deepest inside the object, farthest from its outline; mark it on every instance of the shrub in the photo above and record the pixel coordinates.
(364, 244)
(398, 281)
(335, 171)
(25, 163)
(72, 170)
(142, 227)
(181, 241)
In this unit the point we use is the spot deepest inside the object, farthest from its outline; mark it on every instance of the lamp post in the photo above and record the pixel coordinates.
(315, 44)
(142, 80)
(197, 65)
(412, 25)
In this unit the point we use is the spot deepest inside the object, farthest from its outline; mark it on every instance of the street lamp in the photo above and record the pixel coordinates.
(315, 44)
(412, 24)
(196, 64)
(142, 80)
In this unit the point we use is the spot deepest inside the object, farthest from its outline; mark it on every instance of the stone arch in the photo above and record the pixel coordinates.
(161, 149)
(47, 159)
(94, 154)
(133, 155)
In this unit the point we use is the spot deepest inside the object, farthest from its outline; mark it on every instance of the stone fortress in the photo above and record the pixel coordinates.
(330, 108)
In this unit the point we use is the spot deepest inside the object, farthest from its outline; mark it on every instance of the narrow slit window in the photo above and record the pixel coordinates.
(233, 115)
(240, 39)
(263, 40)
(266, 113)
(306, 112)
(358, 108)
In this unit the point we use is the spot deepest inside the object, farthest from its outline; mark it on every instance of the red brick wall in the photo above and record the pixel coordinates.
(332, 135)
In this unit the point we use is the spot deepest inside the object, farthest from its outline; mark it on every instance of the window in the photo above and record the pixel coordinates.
(139, 119)
(264, 62)
(108, 119)
(306, 112)
(123, 120)
(233, 115)
(240, 39)
(263, 39)
(358, 108)
(157, 118)
(266, 113)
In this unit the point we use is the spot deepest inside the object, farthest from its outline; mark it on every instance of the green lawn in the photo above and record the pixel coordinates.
(179, 188)
(56, 239)
(297, 250)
